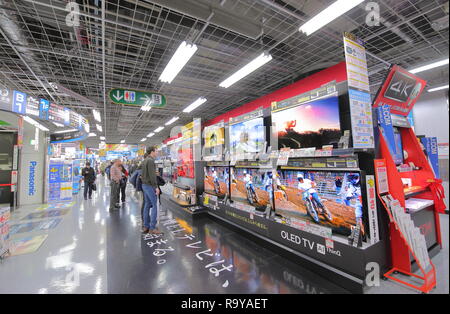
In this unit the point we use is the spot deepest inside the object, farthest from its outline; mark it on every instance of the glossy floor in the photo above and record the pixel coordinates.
(93, 250)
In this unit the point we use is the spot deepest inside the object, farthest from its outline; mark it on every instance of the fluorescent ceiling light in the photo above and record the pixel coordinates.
(122, 141)
(332, 12)
(92, 134)
(429, 66)
(144, 139)
(146, 107)
(435, 89)
(102, 138)
(150, 134)
(64, 131)
(195, 104)
(97, 115)
(247, 69)
(159, 129)
(59, 125)
(35, 123)
(182, 55)
(99, 127)
(172, 120)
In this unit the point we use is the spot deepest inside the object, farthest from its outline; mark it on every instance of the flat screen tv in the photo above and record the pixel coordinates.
(217, 180)
(313, 124)
(214, 140)
(247, 136)
(251, 186)
(338, 192)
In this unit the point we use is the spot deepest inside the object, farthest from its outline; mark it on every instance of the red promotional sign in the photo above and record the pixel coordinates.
(400, 91)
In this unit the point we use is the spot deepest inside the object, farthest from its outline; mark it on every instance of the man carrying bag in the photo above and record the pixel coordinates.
(89, 177)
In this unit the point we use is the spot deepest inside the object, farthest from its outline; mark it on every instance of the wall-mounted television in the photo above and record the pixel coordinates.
(247, 136)
(217, 180)
(312, 124)
(334, 196)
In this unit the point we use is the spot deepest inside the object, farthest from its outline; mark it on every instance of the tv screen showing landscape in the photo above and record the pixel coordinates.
(247, 136)
(313, 124)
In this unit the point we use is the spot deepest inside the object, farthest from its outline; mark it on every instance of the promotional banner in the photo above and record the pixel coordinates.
(359, 92)
(60, 181)
(385, 121)
(431, 151)
(400, 90)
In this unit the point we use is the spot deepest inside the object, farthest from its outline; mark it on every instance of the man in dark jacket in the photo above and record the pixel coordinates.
(89, 177)
(151, 190)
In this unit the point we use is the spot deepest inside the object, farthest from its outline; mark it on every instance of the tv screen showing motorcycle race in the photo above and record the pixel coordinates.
(251, 186)
(217, 180)
(247, 136)
(313, 124)
(331, 199)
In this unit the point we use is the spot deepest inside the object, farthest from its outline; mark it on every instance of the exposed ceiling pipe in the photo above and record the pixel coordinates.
(17, 41)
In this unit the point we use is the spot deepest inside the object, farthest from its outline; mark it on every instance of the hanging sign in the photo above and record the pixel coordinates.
(359, 92)
(136, 98)
(400, 90)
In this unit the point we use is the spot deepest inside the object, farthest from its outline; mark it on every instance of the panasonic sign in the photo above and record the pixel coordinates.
(31, 178)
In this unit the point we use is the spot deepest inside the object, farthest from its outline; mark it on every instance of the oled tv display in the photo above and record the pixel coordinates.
(329, 199)
(217, 180)
(313, 124)
(247, 136)
(251, 186)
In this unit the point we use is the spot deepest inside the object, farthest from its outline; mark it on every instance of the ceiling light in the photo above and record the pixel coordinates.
(59, 125)
(147, 106)
(429, 66)
(195, 104)
(102, 138)
(150, 134)
(144, 139)
(99, 127)
(435, 89)
(65, 131)
(159, 129)
(329, 14)
(172, 120)
(97, 115)
(36, 124)
(184, 52)
(247, 69)
(92, 134)
(122, 141)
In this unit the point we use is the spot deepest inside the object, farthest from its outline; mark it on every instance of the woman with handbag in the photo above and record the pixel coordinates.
(89, 177)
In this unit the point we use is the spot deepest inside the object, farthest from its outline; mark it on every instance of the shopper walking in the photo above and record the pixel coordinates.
(116, 175)
(123, 182)
(151, 190)
(89, 177)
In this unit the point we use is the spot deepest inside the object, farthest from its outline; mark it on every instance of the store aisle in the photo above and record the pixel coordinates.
(93, 250)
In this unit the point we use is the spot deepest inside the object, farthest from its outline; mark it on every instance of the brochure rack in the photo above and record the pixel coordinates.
(403, 172)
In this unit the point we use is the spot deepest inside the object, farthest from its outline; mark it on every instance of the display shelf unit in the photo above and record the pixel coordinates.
(403, 256)
(346, 268)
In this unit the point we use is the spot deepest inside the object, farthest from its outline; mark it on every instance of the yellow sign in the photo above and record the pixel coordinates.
(54, 170)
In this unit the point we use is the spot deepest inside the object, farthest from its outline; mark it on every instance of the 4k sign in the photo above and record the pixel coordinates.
(136, 98)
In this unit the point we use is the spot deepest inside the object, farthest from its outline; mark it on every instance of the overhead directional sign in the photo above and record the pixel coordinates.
(136, 98)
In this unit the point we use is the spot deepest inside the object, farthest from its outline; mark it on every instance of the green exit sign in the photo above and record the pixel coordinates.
(133, 97)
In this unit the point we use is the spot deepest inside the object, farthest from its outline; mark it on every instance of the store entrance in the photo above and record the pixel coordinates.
(7, 141)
